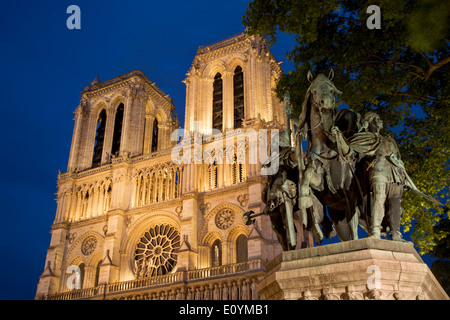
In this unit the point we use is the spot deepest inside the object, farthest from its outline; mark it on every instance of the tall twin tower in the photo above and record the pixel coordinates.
(133, 224)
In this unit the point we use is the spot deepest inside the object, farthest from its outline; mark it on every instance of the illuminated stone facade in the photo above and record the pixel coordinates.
(137, 225)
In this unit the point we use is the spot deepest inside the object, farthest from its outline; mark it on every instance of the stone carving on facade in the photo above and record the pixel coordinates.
(137, 90)
(156, 251)
(259, 46)
(71, 237)
(374, 294)
(129, 221)
(243, 199)
(420, 296)
(224, 218)
(154, 184)
(351, 294)
(179, 211)
(397, 295)
(307, 295)
(197, 63)
(88, 245)
(205, 207)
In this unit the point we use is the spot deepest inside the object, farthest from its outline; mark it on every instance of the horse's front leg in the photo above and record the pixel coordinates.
(312, 178)
(305, 200)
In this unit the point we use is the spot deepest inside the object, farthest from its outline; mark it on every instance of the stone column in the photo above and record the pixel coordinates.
(134, 119)
(193, 101)
(134, 190)
(228, 99)
(119, 196)
(162, 136)
(89, 141)
(109, 133)
(101, 200)
(192, 83)
(252, 86)
(75, 149)
(126, 123)
(205, 109)
(77, 213)
(149, 119)
(247, 92)
(140, 122)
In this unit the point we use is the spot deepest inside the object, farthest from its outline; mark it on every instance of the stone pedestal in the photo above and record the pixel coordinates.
(353, 270)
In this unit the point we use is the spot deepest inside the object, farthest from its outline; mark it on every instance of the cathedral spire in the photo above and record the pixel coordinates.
(95, 81)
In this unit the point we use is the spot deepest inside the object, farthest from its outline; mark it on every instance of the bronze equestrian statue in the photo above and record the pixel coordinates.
(349, 174)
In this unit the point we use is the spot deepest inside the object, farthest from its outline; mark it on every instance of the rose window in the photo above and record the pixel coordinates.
(88, 245)
(224, 218)
(156, 251)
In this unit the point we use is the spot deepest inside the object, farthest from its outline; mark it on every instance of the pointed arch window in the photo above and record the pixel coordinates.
(217, 102)
(238, 93)
(77, 280)
(117, 130)
(155, 136)
(97, 273)
(99, 138)
(82, 272)
(241, 249)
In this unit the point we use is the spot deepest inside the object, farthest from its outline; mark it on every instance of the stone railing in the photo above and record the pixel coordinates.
(225, 270)
(188, 279)
(75, 294)
(168, 279)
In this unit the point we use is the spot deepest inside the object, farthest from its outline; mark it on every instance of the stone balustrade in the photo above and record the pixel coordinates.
(228, 282)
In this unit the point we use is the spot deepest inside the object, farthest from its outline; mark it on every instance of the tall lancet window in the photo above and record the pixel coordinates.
(238, 92)
(155, 136)
(117, 130)
(99, 138)
(241, 249)
(217, 102)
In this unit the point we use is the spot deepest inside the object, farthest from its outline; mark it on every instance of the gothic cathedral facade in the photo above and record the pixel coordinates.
(132, 223)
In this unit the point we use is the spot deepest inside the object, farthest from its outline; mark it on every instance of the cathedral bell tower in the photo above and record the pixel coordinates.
(231, 82)
(116, 122)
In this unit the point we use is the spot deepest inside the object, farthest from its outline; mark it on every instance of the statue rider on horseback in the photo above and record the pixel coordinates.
(326, 187)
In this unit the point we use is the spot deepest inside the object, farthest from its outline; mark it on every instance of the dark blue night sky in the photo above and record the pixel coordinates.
(44, 68)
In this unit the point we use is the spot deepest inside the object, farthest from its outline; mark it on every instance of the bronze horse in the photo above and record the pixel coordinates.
(321, 185)
(328, 182)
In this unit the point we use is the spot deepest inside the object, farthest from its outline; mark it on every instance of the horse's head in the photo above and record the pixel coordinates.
(323, 91)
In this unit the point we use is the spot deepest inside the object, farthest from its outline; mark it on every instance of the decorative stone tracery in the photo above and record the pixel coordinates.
(156, 251)
(155, 184)
(224, 218)
(88, 246)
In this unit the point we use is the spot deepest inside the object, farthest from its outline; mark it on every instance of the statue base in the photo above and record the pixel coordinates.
(353, 270)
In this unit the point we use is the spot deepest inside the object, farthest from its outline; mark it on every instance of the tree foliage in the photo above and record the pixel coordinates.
(400, 71)
(441, 266)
